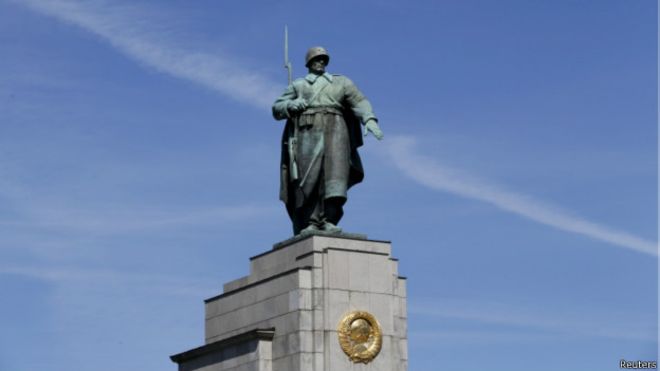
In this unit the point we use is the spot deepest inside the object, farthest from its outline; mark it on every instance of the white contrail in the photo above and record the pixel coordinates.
(427, 172)
(123, 26)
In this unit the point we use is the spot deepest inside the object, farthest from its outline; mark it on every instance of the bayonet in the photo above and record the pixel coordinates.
(287, 62)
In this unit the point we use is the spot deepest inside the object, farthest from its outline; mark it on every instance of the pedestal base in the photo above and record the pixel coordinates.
(285, 315)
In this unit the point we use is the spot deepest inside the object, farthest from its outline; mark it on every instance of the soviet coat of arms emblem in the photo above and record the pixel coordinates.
(360, 336)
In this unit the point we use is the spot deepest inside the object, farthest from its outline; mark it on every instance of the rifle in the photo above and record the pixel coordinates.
(292, 137)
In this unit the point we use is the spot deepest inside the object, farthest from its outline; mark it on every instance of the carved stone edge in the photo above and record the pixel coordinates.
(260, 334)
(300, 237)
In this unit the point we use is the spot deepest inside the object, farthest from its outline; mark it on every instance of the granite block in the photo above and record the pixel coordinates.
(358, 272)
(303, 289)
(338, 269)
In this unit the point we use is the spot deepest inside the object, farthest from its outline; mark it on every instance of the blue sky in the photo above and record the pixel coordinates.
(517, 179)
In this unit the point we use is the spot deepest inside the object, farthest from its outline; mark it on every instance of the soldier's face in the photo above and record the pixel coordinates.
(317, 66)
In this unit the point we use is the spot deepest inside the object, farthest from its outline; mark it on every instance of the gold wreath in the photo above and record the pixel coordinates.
(360, 336)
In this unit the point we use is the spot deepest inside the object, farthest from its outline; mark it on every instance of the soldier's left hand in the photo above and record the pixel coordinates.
(298, 105)
(373, 128)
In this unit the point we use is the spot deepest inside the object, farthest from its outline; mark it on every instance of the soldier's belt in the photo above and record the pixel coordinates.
(315, 110)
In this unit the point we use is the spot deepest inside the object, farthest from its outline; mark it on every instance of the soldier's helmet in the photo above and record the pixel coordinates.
(317, 51)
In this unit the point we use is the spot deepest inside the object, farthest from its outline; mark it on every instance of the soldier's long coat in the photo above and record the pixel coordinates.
(331, 125)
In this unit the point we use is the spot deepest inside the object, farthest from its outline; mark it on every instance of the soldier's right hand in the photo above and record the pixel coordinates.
(297, 105)
(373, 128)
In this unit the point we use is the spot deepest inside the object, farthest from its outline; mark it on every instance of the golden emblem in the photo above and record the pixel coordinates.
(360, 336)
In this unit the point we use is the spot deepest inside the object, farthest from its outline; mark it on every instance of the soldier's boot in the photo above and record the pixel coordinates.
(331, 228)
(310, 229)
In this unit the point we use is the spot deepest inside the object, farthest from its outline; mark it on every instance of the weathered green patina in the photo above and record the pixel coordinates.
(320, 161)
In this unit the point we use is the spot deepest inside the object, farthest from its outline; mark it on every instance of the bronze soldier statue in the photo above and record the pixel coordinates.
(320, 161)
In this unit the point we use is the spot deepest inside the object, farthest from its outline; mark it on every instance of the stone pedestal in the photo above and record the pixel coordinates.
(284, 315)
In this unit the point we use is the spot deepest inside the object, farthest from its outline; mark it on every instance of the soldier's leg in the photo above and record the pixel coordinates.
(311, 213)
(334, 209)
(295, 217)
(336, 170)
(329, 209)
(317, 215)
(310, 161)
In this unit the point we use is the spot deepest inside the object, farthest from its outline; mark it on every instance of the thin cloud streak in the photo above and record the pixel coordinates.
(125, 221)
(30, 210)
(125, 28)
(118, 26)
(478, 337)
(108, 278)
(512, 317)
(435, 176)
